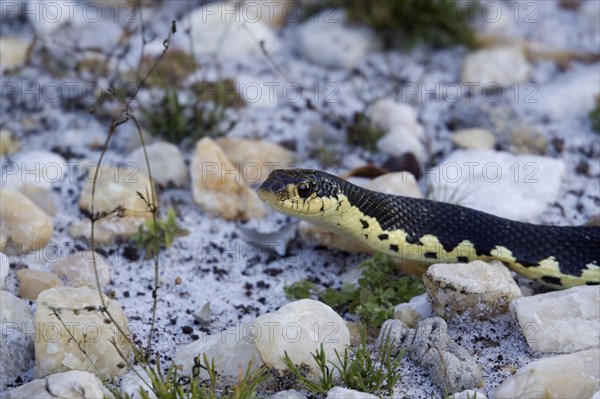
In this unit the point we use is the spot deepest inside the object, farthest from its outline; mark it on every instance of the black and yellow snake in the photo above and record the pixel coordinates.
(436, 232)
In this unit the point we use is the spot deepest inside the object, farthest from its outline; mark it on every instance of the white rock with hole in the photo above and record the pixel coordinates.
(71, 384)
(561, 321)
(166, 163)
(298, 328)
(576, 375)
(56, 350)
(497, 66)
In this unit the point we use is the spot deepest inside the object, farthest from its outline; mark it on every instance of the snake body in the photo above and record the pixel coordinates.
(436, 232)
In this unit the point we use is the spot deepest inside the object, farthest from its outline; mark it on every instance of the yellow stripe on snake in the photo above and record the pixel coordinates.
(436, 232)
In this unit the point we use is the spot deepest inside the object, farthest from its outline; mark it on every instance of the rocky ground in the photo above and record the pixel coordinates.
(503, 129)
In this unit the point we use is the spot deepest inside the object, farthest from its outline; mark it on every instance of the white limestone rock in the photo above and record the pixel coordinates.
(13, 51)
(327, 41)
(42, 168)
(576, 375)
(476, 288)
(396, 183)
(479, 177)
(387, 114)
(468, 394)
(78, 268)
(422, 305)
(40, 196)
(132, 384)
(4, 268)
(406, 314)
(298, 328)
(16, 350)
(218, 187)
(24, 226)
(345, 393)
(166, 163)
(401, 140)
(255, 159)
(56, 351)
(570, 96)
(474, 138)
(116, 187)
(71, 384)
(32, 282)
(497, 66)
(561, 321)
(229, 350)
(288, 394)
(227, 29)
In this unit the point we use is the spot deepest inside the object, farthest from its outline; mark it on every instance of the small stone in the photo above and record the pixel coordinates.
(230, 352)
(345, 393)
(132, 384)
(477, 178)
(228, 30)
(218, 187)
(71, 384)
(24, 226)
(32, 282)
(298, 328)
(397, 183)
(42, 168)
(406, 314)
(8, 143)
(56, 348)
(166, 163)
(78, 268)
(387, 114)
(16, 350)
(561, 321)
(4, 268)
(13, 51)
(493, 67)
(401, 140)
(575, 375)
(474, 138)
(396, 333)
(477, 288)
(116, 189)
(468, 394)
(332, 44)
(289, 394)
(526, 139)
(40, 196)
(422, 305)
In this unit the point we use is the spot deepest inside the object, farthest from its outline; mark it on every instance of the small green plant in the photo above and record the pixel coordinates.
(358, 368)
(363, 132)
(204, 113)
(405, 23)
(174, 386)
(379, 289)
(326, 377)
(595, 115)
(154, 234)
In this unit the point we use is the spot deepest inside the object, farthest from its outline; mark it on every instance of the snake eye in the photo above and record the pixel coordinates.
(305, 189)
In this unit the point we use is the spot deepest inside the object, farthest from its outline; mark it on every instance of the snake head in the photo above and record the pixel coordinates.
(299, 192)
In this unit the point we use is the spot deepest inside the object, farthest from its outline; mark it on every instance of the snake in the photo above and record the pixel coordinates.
(432, 231)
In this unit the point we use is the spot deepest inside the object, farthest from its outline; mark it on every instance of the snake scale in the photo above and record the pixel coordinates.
(436, 232)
